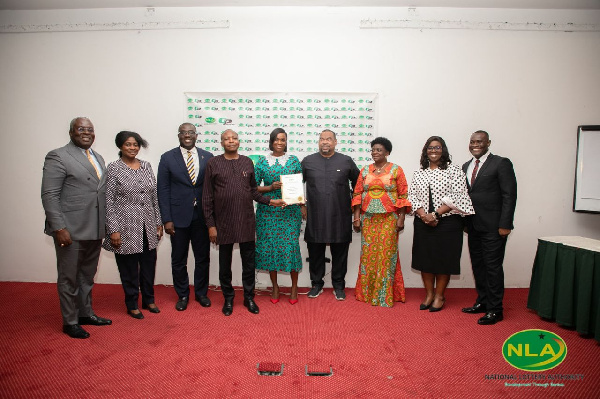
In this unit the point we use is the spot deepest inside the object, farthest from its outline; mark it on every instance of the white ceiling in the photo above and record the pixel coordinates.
(79, 4)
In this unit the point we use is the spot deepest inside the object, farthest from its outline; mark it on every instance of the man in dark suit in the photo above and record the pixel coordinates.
(180, 181)
(493, 190)
(74, 200)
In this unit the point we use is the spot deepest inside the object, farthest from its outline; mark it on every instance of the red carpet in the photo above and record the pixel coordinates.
(375, 352)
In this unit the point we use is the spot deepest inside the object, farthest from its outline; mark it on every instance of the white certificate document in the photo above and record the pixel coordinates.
(292, 189)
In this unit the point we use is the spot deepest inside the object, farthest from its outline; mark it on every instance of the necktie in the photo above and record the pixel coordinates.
(474, 174)
(190, 167)
(89, 156)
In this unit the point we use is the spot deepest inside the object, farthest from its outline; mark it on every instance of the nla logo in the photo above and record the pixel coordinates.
(534, 350)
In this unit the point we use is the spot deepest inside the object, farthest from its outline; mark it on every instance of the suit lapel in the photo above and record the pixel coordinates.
(103, 166)
(201, 163)
(80, 157)
(465, 168)
(181, 164)
(486, 166)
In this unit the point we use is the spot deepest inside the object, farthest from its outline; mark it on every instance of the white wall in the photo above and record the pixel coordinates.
(530, 90)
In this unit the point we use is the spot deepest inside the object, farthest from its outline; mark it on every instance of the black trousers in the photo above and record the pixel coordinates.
(134, 281)
(197, 235)
(248, 270)
(487, 255)
(339, 263)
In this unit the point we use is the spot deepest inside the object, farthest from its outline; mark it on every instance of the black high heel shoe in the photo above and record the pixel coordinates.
(434, 309)
(138, 316)
(154, 309)
(424, 306)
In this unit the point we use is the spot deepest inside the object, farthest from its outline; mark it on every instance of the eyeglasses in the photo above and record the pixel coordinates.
(187, 132)
(82, 129)
(434, 148)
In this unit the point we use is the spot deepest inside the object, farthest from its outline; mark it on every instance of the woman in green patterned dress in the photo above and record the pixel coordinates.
(278, 229)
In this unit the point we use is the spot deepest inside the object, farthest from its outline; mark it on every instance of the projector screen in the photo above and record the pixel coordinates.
(586, 197)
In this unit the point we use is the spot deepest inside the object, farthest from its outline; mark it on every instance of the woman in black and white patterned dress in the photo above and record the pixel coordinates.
(133, 222)
(439, 198)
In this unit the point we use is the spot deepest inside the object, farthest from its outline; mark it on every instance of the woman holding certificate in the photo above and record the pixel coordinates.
(278, 229)
(380, 203)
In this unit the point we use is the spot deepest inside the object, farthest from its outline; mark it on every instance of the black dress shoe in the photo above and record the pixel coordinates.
(228, 307)
(75, 331)
(137, 315)
(94, 321)
(251, 305)
(204, 301)
(490, 318)
(182, 303)
(424, 306)
(477, 308)
(153, 309)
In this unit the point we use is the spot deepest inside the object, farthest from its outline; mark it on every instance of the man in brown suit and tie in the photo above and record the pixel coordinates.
(74, 200)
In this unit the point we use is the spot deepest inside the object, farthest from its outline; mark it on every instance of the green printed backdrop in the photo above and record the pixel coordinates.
(352, 116)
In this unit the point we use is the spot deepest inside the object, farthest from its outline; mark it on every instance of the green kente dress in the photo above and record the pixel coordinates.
(277, 229)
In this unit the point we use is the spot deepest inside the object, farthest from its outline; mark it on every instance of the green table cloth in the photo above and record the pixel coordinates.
(565, 283)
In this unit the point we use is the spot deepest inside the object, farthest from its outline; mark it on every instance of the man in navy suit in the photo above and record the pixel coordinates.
(180, 180)
(493, 190)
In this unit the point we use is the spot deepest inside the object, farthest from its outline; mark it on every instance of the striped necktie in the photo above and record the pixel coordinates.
(190, 167)
(89, 156)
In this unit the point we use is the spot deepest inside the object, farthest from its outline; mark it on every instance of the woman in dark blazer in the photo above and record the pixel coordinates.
(133, 222)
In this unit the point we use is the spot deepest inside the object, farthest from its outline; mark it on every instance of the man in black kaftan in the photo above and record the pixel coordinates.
(330, 178)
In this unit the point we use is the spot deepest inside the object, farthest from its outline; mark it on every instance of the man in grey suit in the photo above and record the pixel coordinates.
(74, 200)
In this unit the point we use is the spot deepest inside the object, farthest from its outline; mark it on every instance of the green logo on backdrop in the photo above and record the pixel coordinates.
(210, 119)
(534, 350)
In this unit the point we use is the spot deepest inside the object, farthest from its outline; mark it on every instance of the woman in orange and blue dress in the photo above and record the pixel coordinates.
(380, 204)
